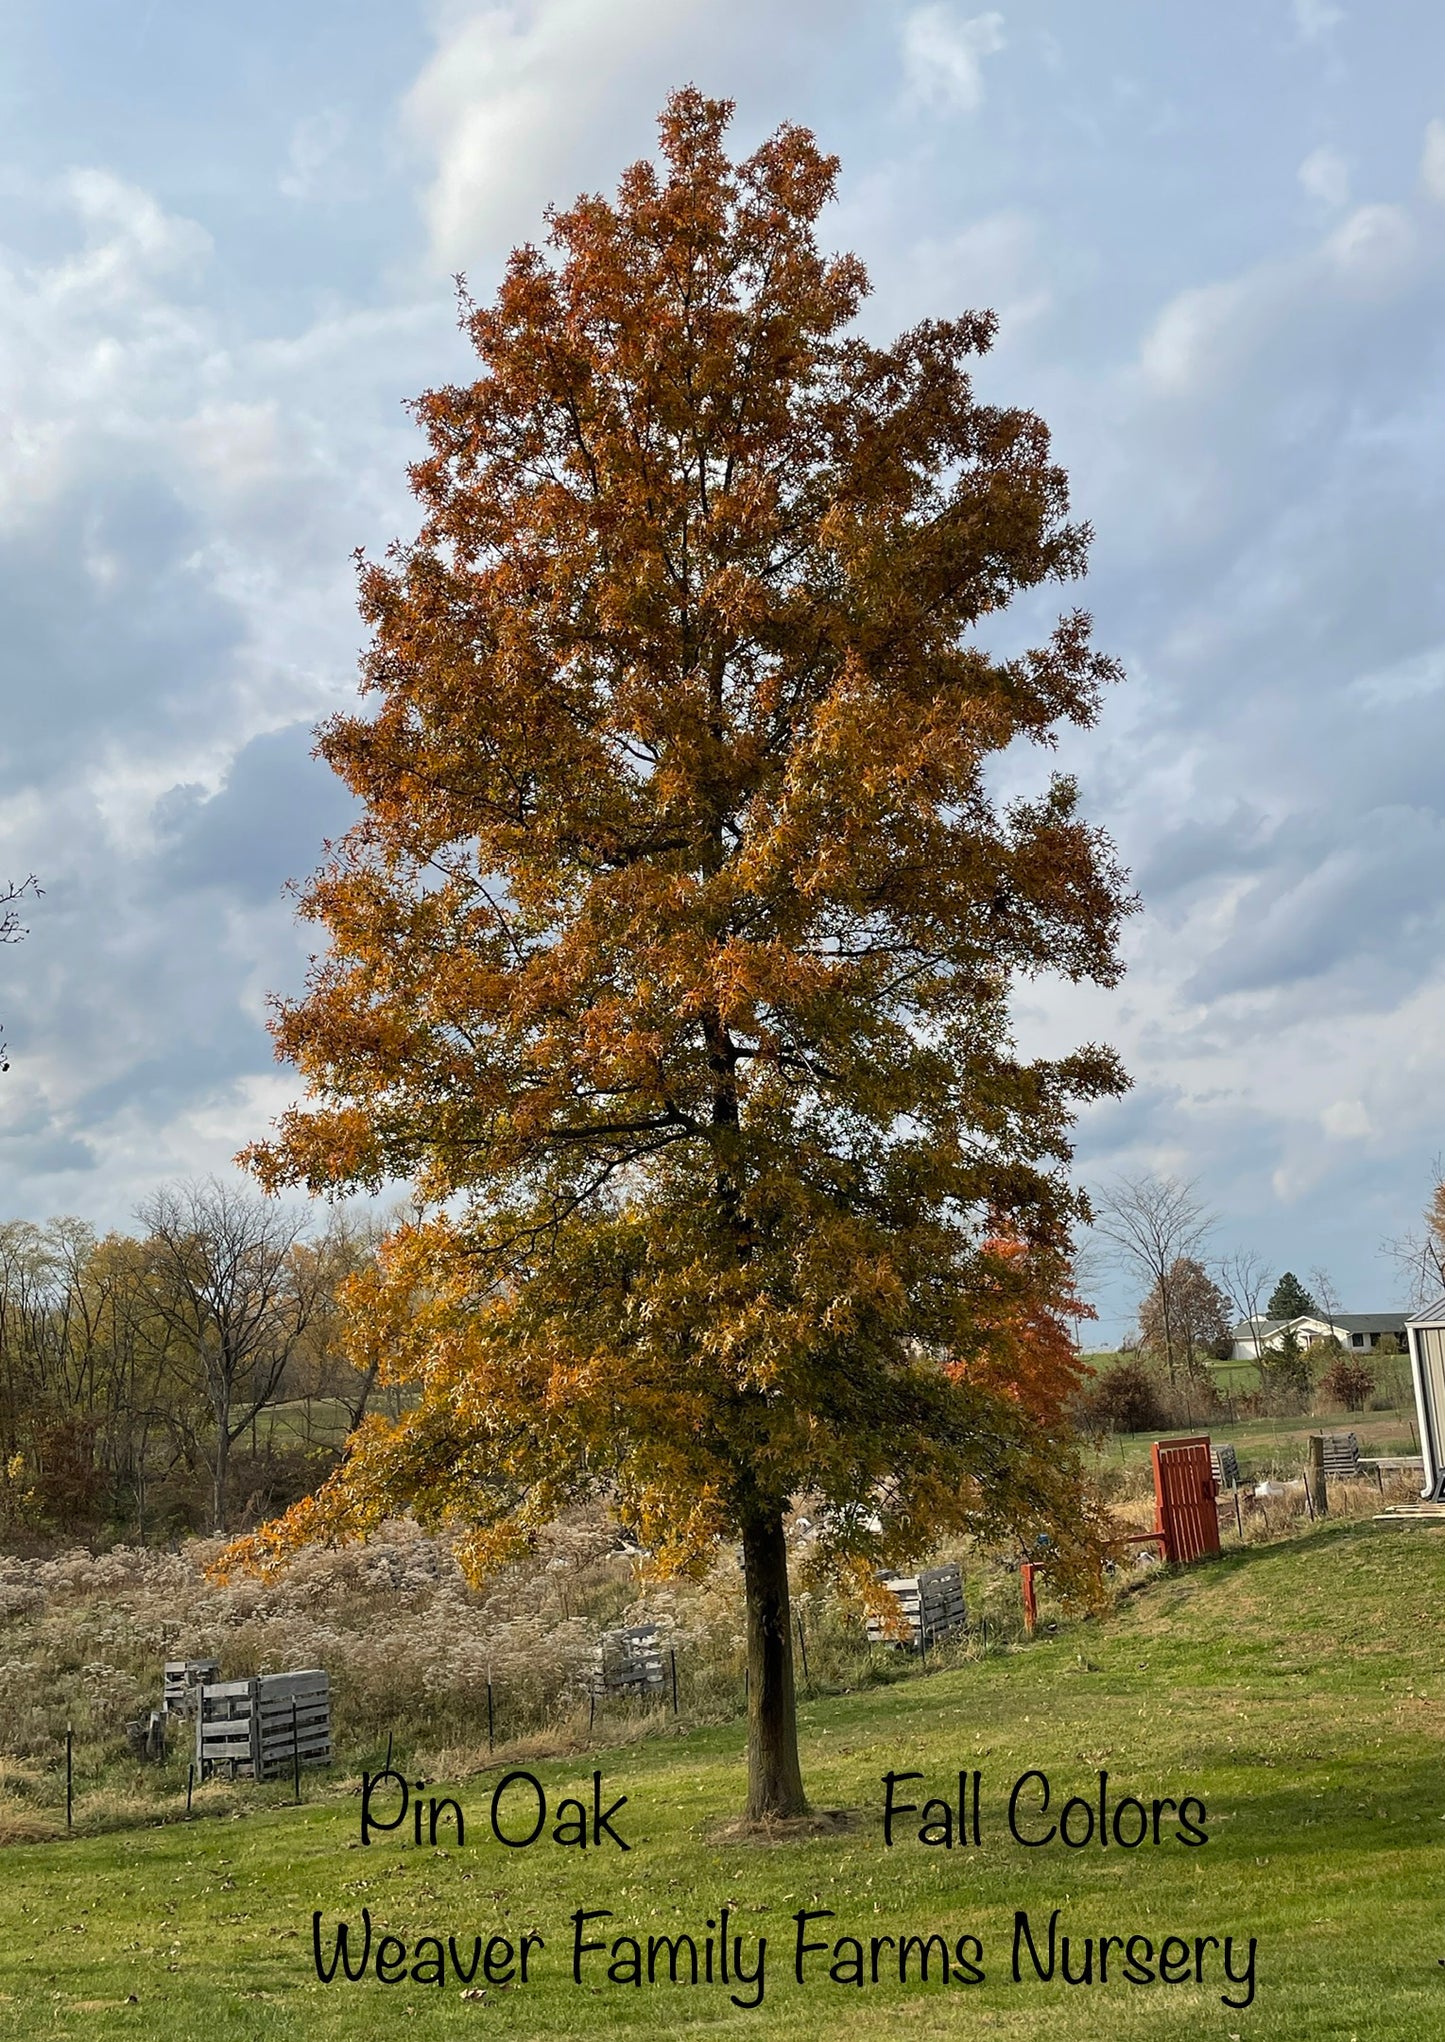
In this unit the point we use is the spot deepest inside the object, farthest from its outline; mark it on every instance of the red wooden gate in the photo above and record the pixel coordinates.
(1185, 1516)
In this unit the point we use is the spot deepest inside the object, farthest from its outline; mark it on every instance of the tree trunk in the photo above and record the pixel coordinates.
(775, 1778)
(219, 1470)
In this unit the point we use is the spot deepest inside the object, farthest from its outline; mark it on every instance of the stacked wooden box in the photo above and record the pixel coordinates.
(1342, 1457)
(628, 1662)
(261, 1729)
(930, 1603)
(1225, 1462)
(183, 1680)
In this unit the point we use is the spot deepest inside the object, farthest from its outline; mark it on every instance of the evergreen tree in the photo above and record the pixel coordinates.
(1290, 1300)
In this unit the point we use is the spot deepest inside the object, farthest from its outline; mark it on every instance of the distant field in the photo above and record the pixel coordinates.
(1296, 1688)
(1270, 1445)
(324, 1422)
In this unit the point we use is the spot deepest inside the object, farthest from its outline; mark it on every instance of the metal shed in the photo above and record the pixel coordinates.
(1426, 1334)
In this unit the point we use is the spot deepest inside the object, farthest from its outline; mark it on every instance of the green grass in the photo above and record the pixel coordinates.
(1295, 1688)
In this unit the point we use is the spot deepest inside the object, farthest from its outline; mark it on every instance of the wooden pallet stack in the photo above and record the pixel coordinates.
(628, 1662)
(262, 1729)
(1342, 1457)
(1225, 1462)
(182, 1681)
(930, 1604)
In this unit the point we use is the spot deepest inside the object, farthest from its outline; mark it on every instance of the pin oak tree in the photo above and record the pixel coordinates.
(671, 956)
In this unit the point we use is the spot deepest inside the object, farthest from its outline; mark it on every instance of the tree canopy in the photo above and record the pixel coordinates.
(671, 957)
(1197, 1319)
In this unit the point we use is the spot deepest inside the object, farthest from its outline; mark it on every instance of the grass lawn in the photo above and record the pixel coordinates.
(1296, 1689)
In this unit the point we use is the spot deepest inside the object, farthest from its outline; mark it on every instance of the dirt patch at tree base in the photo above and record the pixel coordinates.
(789, 1828)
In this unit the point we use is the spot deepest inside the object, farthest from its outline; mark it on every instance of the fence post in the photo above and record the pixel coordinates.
(803, 1652)
(1239, 1516)
(69, 1776)
(672, 1661)
(190, 1786)
(1317, 1474)
(491, 1718)
(295, 1754)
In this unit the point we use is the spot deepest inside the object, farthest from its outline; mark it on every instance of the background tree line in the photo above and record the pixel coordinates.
(143, 1376)
(1156, 1229)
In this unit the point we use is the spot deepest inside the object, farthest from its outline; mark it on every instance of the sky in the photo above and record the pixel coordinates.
(1215, 240)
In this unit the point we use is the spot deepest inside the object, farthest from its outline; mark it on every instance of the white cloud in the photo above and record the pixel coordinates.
(1202, 337)
(1325, 175)
(510, 97)
(312, 156)
(128, 228)
(1404, 680)
(1194, 338)
(82, 336)
(943, 56)
(995, 262)
(1373, 247)
(1315, 18)
(1432, 162)
(1346, 1120)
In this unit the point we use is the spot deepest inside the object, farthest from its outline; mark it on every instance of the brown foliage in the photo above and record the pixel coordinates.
(1186, 1318)
(1124, 1398)
(1348, 1381)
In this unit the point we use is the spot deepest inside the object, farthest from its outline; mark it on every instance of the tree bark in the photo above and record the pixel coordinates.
(775, 1778)
(220, 1468)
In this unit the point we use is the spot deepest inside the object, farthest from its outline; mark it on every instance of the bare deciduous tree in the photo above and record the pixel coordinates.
(322, 1368)
(1421, 1256)
(11, 927)
(1245, 1277)
(1153, 1224)
(1329, 1299)
(11, 930)
(227, 1278)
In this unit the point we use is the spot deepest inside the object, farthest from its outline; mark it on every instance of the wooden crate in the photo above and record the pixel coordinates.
(628, 1662)
(1225, 1462)
(1342, 1456)
(259, 1729)
(930, 1603)
(182, 1679)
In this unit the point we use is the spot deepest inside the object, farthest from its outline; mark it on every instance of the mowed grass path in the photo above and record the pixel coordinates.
(1296, 1689)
